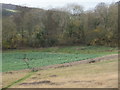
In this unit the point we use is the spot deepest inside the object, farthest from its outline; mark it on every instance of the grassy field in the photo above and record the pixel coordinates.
(103, 74)
(80, 75)
(13, 60)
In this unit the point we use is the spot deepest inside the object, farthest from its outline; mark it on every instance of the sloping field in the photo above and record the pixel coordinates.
(103, 74)
(14, 61)
(50, 56)
(74, 66)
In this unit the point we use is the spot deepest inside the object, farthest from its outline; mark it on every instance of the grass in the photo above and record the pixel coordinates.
(98, 75)
(19, 80)
(80, 49)
(70, 49)
(8, 78)
(13, 60)
(102, 72)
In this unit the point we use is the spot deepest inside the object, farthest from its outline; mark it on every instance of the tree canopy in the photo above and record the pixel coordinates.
(32, 27)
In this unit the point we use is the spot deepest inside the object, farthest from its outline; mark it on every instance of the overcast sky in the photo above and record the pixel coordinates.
(46, 4)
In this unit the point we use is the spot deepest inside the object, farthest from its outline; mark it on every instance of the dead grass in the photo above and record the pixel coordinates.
(103, 74)
(10, 77)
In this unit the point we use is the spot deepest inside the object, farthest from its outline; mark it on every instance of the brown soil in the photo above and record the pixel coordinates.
(41, 82)
(53, 76)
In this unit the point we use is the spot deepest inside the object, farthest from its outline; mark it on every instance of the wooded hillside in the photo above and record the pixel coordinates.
(70, 25)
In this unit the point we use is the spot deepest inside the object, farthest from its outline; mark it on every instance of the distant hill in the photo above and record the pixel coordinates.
(10, 9)
(14, 7)
(8, 6)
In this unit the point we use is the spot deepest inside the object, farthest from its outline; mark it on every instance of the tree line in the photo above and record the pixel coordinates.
(71, 25)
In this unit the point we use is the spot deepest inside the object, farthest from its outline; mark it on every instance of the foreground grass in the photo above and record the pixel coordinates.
(13, 60)
(9, 78)
(98, 75)
(13, 82)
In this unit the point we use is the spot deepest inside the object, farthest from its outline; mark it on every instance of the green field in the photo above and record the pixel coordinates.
(13, 60)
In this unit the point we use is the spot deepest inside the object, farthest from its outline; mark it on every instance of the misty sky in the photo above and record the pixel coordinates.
(46, 4)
